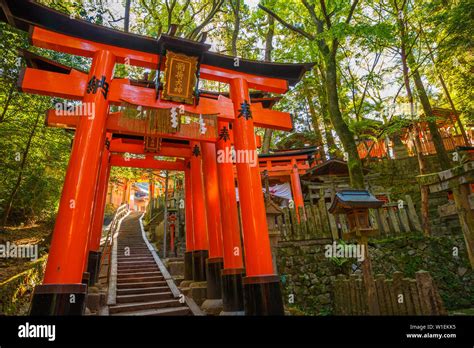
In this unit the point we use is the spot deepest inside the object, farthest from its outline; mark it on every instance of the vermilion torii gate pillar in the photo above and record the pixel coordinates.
(296, 189)
(62, 291)
(262, 293)
(200, 243)
(189, 223)
(93, 261)
(232, 294)
(215, 261)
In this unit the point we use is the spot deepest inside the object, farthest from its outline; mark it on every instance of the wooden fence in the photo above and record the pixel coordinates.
(316, 222)
(397, 296)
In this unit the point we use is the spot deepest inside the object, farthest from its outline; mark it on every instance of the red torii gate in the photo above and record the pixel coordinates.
(291, 164)
(106, 47)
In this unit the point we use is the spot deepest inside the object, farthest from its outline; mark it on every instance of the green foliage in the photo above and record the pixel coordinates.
(34, 157)
(15, 292)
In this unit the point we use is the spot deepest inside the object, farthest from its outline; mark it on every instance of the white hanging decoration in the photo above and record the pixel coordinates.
(174, 118)
(202, 125)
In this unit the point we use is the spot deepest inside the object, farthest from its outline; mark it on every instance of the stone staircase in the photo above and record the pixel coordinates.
(141, 287)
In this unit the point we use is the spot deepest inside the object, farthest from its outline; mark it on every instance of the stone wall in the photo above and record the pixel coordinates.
(398, 178)
(307, 274)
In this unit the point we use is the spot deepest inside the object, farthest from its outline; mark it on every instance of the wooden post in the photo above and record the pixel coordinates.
(413, 216)
(369, 282)
(466, 218)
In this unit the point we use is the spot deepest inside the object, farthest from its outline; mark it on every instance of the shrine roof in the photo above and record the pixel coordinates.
(295, 152)
(334, 167)
(349, 199)
(24, 14)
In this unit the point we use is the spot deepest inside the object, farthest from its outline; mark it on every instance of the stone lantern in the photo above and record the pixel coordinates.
(273, 211)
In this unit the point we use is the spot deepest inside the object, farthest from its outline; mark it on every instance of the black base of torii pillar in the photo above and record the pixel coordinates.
(58, 299)
(213, 276)
(232, 290)
(199, 265)
(262, 296)
(93, 266)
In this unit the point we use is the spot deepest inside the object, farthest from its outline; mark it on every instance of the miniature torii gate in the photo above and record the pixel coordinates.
(290, 164)
(106, 47)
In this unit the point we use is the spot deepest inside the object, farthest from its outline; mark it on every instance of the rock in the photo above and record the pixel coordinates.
(324, 299)
(212, 307)
(411, 252)
(93, 301)
(198, 292)
(462, 271)
(176, 268)
(186, 283)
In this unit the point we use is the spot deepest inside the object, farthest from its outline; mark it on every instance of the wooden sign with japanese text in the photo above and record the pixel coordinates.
(180, 78)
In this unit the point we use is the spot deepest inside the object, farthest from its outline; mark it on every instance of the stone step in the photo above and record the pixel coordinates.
(131, 307)
(141, 284)
(138, 275)
(133, 249)
(152, 296)
(136, 291)
(136, 263)
(160, 311)
(144, 279)
(137, 268)
(135, 258)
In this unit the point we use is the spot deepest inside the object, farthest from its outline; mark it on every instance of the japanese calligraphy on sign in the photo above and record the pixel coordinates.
(151, 144)
(94, 84)
(180, 78)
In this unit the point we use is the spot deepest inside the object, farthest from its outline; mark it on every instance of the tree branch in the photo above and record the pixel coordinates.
(351, 12)
(325, 13)
(286, 24)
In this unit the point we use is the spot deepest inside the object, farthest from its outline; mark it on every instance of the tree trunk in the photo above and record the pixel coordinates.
(126, 22)
(323, 102)
(7, 102)
(446, 92)
(430, 118)
(345, 134)
(267, 137)
(315, 124)
(235, 33)
(425, 219)
(9, 203)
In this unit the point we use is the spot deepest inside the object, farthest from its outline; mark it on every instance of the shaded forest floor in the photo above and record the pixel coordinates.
(20, 235)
